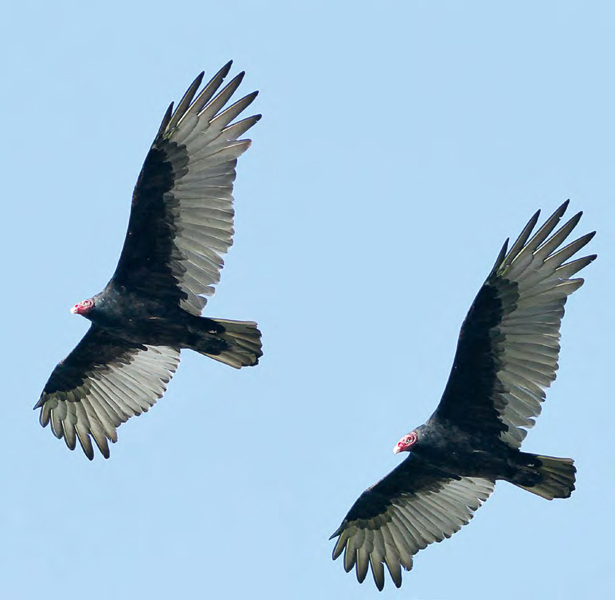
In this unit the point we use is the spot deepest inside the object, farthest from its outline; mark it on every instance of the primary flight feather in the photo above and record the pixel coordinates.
(506, 356)
(181, 223)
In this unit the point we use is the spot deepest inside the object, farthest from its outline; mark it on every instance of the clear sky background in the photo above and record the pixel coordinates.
(401, 143)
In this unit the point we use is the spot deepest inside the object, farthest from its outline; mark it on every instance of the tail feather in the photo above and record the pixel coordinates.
(556, 476)
(242, 343)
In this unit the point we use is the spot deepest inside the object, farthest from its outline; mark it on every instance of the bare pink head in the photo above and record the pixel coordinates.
(406, 443)
(83, 307)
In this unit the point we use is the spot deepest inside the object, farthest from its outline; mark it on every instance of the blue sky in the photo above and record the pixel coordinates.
(401, 143)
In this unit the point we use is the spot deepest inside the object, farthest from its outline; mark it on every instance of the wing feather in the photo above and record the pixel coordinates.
(181, 223)
(100, 385)
(508, 349)
(413, 506)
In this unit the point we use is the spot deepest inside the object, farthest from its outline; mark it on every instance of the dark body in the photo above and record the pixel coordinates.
(181, 223)
(134, 318)
(507, 354)
(455, 452)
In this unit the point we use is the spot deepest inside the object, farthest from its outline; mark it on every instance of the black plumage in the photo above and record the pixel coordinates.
(181, 223)
(506, 356)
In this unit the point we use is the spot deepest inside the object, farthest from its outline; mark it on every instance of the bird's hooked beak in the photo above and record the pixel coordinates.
(74, 310)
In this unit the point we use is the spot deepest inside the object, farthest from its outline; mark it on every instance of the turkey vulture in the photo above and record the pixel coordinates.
(506, 356)
(181, 223)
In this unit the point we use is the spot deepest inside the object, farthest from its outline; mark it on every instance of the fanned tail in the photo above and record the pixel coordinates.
(556, 476)
(241, 344)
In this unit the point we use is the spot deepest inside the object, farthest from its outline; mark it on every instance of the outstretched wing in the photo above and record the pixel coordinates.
(181, 221)
(509, 343)
(413, 506)
(101, 384)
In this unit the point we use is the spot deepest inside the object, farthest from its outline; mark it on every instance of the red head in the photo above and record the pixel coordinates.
(83, 307)
(406, 443)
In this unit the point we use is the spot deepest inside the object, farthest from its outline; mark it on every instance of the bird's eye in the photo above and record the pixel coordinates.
(411, 439)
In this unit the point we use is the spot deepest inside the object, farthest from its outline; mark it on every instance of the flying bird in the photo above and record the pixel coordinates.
(181, 223)
(506, 356)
